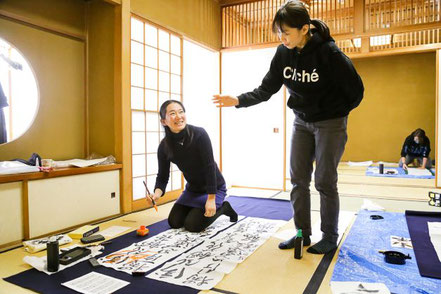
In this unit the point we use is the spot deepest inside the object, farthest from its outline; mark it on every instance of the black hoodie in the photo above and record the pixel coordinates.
(411, 148)
(321, 80)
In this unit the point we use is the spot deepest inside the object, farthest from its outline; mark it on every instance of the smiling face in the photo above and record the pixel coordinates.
(175, 118)
(293, 37)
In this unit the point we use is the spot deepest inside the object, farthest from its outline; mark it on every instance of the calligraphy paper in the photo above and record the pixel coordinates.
(152, 252)
(204, 266)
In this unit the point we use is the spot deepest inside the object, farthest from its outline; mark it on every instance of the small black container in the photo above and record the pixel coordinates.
(381, 168)
(395, 257)
(53, 259)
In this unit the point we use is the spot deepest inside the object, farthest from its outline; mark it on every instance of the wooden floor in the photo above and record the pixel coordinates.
(270, 270)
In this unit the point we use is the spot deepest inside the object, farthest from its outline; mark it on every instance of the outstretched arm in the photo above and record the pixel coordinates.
(270, 85)
(225, 100)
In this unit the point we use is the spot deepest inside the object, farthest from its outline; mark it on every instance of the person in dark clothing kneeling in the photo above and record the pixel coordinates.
(189, 147)
(416, 147)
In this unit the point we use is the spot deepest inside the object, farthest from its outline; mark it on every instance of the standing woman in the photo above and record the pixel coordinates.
(189, 147)
(324, 87)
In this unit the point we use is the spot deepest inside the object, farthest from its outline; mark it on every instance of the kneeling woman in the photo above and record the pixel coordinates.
(189, 147)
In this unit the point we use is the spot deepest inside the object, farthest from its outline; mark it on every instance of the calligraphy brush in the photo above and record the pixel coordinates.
(148, 193)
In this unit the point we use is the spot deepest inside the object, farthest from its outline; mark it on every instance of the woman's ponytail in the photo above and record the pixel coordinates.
(322, 28)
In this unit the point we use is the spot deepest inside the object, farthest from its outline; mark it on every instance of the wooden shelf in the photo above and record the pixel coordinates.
(61, 172)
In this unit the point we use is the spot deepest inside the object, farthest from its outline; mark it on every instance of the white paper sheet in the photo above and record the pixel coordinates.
(204, 266)
(345, 218)
(95, 283)
(358, 287)
(16, 167)
(360, 163)
(113, 231)
(435, 236)
(36, 245)
(371, 206)
(150, 253)
(40, 263)
(418, 172)
(79, 162)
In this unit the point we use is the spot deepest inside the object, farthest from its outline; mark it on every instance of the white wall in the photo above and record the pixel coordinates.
(201, 81)
(252, 152)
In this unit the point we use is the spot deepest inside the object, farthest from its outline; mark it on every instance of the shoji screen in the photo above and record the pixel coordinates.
(253, 148)
(201, 81)
(156, 75)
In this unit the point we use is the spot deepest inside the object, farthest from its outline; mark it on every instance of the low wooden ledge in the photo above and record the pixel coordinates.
(59, 172)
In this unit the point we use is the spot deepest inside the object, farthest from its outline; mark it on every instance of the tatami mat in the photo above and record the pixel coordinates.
(270, 270)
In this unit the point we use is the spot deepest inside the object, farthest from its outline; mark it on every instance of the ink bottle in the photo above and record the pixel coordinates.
(298, 245)
(53, 259)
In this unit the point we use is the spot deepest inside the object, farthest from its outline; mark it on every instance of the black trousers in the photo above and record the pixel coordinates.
(191, 218)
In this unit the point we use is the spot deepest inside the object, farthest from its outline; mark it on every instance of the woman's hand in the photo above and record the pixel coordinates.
(150, 197)
(154, 196)
(225, 100)
(403, 160)
(210, 206)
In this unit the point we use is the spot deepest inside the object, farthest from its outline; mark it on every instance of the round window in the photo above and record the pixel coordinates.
(18, 93)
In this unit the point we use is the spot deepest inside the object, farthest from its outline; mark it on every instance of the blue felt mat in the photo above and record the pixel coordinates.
(42, 283)
(359, 260)
(372, 171)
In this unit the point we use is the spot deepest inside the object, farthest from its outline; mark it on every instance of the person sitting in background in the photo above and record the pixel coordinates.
(416, 147)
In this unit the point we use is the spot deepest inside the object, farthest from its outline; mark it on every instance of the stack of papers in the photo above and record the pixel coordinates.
(40, 244)
(78, 162)
(16, 167)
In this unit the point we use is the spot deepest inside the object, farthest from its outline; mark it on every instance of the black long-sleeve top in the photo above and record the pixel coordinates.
(410, 147)
(194, 157)
(321, 80)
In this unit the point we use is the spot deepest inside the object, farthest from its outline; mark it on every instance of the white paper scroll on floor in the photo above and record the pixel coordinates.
(204, 266)
(150, 253)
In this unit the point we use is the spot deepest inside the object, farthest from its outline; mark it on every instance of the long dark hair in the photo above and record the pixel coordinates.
(294, 14)
(168, 140)
(420, 133)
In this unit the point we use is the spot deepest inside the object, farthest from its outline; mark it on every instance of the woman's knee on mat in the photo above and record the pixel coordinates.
(194, 226)
(175, 222)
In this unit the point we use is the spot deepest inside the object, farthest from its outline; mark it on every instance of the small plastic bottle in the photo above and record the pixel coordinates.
(53, 259)
(381, 168)
(298, 245)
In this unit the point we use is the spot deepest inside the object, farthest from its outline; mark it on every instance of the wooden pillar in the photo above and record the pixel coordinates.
(359, 22)
(122, 102)
(437, 121)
